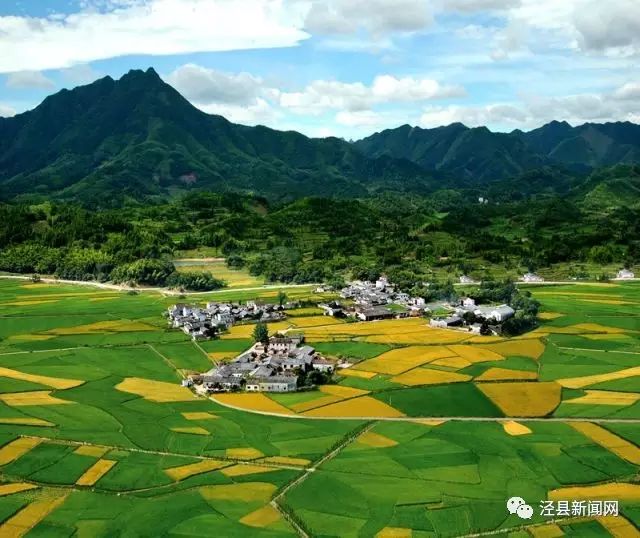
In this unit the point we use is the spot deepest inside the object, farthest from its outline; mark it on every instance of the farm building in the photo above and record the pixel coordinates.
(625, 274)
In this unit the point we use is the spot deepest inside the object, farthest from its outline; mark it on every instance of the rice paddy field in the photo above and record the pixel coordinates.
(426, 434)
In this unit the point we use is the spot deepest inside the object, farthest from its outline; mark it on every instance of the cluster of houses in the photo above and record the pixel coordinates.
(375, 300)
(201, 323)
(492, 315)
(263, 368)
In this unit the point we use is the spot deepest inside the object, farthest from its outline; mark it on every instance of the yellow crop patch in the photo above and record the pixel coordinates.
(95, 472)
(9, 489)
(53, 382)
(607, 301)
(185, 471)
(430, 421)
(26, 421)
(475, 354)
(40, 397)
(314, 321)
(342, 392)
(219, 355)
(27, 518)
(529, 347)
(262, 517)
(585, 381)
(523, 399)
(247, 453)
(596, 327)
(618, 526)
(155, 391)
(350, 372)
(606, 336)
(394, 532)
(104, 326)
(426, 335)
(199, 415)
(245, 491)
(400, 360)
(504, 374)
(375, 440)
(31, 337)
(364, 406)
(550, 530)
(91, 450)
(244, 469)
(619, 446)
(515, 428)
(426, 376)
(619, 491)
(17, 448)
(312, 404)
(99, 299)
(192, 430)
(30, 303)
(452, 362)
(549, 315)
(605, 397)
(285, 460)
(252, 402)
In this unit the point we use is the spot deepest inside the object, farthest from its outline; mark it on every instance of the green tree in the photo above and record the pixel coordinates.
(261, 333)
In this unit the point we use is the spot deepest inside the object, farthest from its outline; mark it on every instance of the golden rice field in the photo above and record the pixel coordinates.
(605, 397)
(363, 406)
(26, 421)
(17, 448)
(504, 374)
(199, 415)
(609, 440)
(262, 517)
(27, 518)
(475, 354)
(95, 472)
(242, 469)
(394, 532)
(185, 471)
(248, 453)
(245, 491)
(252, 402)
(245, 331)
(400, 360)
(521, 399)
(25, 399)
(103, 326)
(10, 489)
(599, 492)
(426, 376)
(191, 430)
(618, 526)
(155, 391)
(375, 440)
(316, 402)
(515, 428)
(285, 460)
(584, 381)
(91, 450)
(53, 382)
(351, 372)
(342, 392)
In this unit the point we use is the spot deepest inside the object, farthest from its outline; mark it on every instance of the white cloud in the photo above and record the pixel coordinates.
(618, 105)
(6, 111)
(377, 17)
(260, 112)
(204, 85)
(154, 27)
(80, 74)
(470, 6)
(28, 80)
(323, 95)
(612, 26)
(360, 118)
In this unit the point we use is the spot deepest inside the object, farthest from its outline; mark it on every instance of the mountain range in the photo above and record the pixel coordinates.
(137, 138)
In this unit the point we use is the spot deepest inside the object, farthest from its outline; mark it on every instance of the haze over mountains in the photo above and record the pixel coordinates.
(138, 138)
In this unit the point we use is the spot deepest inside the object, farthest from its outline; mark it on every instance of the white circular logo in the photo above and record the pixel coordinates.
(513, 503)
(524, 511)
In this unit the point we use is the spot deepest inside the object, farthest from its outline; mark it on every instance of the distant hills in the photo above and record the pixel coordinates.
(138, 139)
(480, 155)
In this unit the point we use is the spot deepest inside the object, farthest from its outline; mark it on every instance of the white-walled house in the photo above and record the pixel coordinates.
(625, 274)
(532, 277)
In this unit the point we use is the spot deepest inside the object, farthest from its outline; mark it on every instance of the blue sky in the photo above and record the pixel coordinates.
(340, 67)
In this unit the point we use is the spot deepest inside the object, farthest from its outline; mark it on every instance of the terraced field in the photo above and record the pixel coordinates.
(97, 436)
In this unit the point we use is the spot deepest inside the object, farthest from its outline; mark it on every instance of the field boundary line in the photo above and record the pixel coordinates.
(167, 360)
(280, 507)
